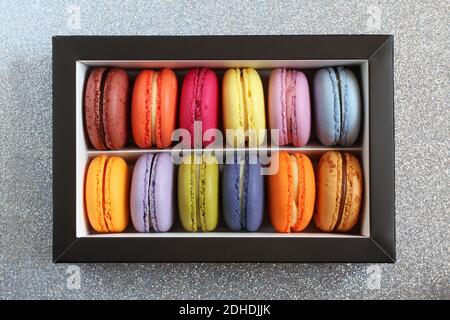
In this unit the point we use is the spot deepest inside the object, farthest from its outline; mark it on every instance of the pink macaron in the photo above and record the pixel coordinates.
(290, 106)
(199, 103)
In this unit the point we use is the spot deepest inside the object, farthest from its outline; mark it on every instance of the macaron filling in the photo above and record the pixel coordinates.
(240, 84)
(148, 192)
(284, 110)
(296, 191)
(339, 75)
(198, 192)
(101, 128)
(106, 195)
(243, 191)
(152, 194)
(148, 106)
(245, 110)
(341, 103)
(201, 205)
(290, 91)
(199, 82)
(154, 105)
(294, 202)
(197, 196)
(100, 202)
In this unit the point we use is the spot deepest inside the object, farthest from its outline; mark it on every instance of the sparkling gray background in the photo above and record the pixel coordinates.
(422, 149)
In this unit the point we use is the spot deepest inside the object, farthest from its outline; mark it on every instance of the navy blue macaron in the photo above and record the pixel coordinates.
(337, 106)
(243, 194)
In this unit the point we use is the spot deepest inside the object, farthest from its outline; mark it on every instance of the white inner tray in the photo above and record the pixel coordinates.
(312, 149)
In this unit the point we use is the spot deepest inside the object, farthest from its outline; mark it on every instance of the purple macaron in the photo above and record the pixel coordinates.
(243, 194)
(152, 201)
(289, 106)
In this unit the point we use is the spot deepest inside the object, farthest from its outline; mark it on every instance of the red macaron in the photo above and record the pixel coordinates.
(199, 103)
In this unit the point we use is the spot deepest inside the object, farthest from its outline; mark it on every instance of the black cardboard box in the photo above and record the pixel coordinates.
(370, 56)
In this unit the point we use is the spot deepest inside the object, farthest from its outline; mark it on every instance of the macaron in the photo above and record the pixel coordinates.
(198, 192)
(339, 192)
(243, 110)
(107, 193)
(337, 106)
(291, 192)
(199, 104)
(152, 197)
(289, 106)
(106, 102)
(154, 108)
(243, 194)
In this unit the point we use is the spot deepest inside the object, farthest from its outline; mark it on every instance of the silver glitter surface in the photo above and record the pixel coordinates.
(421, 135)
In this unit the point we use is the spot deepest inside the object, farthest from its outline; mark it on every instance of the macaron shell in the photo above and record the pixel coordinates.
(200, 89)
(140, 109)
(277, 105)
(278, 193)
(352, 107)
(163, 176)
(117, 190)
(255, 105)
(211, 193)
(115, 108)
(92, 108)
(306, 193)
(187, 190)
(350, 215)
(329, 185)
(231, 196)
(303, 110)
(94, 194)
(327, 107)
(255, 197)
(139, 194)
(232, 107)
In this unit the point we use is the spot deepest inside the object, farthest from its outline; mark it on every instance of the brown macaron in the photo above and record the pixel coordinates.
(106, 103)
(339, 192)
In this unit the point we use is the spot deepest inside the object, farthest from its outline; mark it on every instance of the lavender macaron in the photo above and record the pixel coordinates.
(152, 201)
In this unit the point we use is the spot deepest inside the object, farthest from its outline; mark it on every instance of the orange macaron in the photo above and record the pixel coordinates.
(291, 192)
(107, 193)
(339, 192)
(154, 108)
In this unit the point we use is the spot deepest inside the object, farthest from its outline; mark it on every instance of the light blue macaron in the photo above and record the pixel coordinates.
(337, 106)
